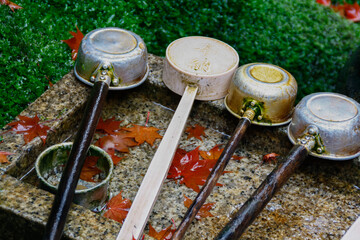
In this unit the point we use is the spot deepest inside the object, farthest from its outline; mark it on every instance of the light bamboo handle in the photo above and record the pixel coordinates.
(354, 231)
(150, 187)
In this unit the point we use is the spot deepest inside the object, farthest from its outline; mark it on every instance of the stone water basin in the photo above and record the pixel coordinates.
(320, 201)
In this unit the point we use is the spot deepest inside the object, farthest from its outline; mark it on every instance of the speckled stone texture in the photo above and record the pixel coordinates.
(320, 201)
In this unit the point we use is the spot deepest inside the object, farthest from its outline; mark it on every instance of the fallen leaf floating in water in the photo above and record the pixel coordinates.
(11, 5)
(30, 127)
(190, 169)
(3, 158)
(117, 208)
(195, 131)
(164, 234)
(89, 169)
(109, 126)
(271, 157)
(324, 2)
(204, 210)
(120, 141)
(74, 42)
(143, 134)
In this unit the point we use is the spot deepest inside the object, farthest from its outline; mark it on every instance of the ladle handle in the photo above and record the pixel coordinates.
(150, 187)
(212, 179)
(65, 193)
(258, 200)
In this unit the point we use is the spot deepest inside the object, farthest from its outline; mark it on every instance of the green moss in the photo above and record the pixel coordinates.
(307, 39)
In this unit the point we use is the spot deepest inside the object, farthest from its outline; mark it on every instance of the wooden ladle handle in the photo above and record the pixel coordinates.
(212, 178)
(258, 200)
(151, 184)
(66, 190)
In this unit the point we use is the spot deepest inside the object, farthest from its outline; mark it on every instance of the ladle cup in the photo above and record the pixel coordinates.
(325, 125)
(197, 68)
(108, 58)
(260, 93)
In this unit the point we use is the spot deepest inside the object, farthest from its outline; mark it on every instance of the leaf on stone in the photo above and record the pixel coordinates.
(117, 208)
(3, 157)
(30, 128)
(164, 234)
(195, 131)
(214, 153)
(189, 169)
(204, 210)
(238, 158)
(108, 126)
(119, 141)
(89, 169)
(11, 5)
(143, 134)
(74, 42)
(271, 157)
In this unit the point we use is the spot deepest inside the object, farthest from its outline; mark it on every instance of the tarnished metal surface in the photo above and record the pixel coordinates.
(115, 49)
(337, 118)
(204, 62)
(271, 86)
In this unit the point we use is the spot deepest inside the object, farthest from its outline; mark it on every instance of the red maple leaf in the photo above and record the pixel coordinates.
(74, 42)
(238, 158)
(30, 127)
(143, 134)
(204, 210)
(164, 234)
(349, 11)
(189, 169)
(109, 125)
(268, 158)
(324, 2)
(11, 5)
(196, 131)
(3, 158)
(117, 208)
(214, 153)
(89, 169)
(119, 141)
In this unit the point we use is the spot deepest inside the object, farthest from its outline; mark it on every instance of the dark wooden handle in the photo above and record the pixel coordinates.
(71, 174)
(256, 203)
(212, 178)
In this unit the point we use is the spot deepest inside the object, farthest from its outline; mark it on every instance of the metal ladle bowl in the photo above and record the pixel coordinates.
(117, 50)
(336, 118)
(272, 87)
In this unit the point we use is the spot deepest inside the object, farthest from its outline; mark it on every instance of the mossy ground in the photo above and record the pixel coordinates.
(309, 40)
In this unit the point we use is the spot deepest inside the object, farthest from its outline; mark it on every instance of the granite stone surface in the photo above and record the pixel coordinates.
(320, 201)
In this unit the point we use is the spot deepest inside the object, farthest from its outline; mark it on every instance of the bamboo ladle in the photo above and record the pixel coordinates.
(325, 125)
(261, 94)
(197, 68)
(108, 58)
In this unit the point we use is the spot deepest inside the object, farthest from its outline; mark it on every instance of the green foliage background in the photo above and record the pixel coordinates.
(309, 40)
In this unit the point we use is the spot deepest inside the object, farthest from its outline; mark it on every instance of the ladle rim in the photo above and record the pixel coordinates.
(196, 74)
(254, 121)
(87, 82)
(323, 155)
